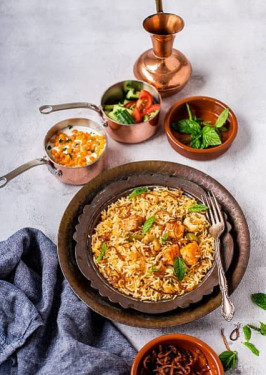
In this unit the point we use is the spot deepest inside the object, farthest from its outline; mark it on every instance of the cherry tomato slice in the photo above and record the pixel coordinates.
(130, 104)
(152, 108)
(145, 100)
(137, 115)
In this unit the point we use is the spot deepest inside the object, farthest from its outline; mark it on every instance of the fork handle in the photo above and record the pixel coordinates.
(227, 307)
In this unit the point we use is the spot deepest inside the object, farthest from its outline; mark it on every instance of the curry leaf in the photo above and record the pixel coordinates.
(228, 359)
(222, 118)
(148, 223)
(180, 268)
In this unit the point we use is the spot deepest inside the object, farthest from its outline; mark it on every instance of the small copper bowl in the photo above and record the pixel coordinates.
(207, 109)
(183, 341)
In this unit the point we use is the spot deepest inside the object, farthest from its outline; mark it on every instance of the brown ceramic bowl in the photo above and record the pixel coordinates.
(207, 109)
(183, 341)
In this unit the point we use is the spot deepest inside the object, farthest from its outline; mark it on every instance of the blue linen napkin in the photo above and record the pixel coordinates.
(44, 328)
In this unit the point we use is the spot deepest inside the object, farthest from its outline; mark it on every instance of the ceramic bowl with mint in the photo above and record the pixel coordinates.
(200, 127)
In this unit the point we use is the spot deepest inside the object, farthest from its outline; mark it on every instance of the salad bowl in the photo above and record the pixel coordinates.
(120, 95)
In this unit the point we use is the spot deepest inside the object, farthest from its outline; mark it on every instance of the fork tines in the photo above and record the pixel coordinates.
(214, 213)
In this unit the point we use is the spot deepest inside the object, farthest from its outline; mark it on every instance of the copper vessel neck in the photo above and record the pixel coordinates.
(163, 27)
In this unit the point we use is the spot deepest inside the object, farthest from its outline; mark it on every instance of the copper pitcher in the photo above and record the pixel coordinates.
(163, 66)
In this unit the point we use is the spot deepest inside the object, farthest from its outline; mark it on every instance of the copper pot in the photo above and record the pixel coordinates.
(131, 133)
(67, 175)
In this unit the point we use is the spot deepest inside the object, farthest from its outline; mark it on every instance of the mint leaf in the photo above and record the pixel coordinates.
(102, 253)
(228, 359)
(138, 191)
(164, 237)
(259, 299)
(254, 327)
(196, 141)
(247, 332)
(190, 116)
(154, 269)
(263, 328)
(252, 348)
(210, 137)
(186, 127)
(197, 208)
(223, 129)
(222, 118)
(148, 223)
(180, 268)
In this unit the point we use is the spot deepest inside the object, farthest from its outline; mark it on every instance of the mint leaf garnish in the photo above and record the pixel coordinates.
(197, 208)
(187, 127)
(138, 191)
(222, 118)
(228, 359)
(210, 137)
(148, 223)
(102, 253)
(247, 332)
(252, 348)
(259, 299)
(180, 268)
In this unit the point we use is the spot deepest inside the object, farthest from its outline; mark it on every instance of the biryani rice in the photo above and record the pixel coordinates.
(134, 262)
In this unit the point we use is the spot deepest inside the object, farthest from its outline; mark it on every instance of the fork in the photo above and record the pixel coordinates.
(216, 229)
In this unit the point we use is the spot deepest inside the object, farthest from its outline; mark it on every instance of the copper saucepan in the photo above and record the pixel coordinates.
(67, 175)
(131, 133)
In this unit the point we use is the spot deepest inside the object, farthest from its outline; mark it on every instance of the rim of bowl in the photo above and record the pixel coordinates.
(168, 131)
(176, 336)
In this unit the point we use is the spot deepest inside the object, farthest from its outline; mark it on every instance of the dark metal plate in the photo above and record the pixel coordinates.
(81, 286)
(89, 219)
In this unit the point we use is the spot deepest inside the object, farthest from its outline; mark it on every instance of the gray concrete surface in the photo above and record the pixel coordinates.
(63, 51)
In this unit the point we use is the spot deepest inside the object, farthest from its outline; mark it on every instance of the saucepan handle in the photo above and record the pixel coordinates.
(24, 167)
(46, 109)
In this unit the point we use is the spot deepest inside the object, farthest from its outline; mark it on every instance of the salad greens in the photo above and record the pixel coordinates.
(136, 106)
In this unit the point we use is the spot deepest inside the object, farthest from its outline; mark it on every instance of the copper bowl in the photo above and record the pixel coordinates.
(207, 109)
(125, 133)
(183, 341)
(89, 219)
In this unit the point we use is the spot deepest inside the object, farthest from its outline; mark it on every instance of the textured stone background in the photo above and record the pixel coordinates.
(62, 51)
